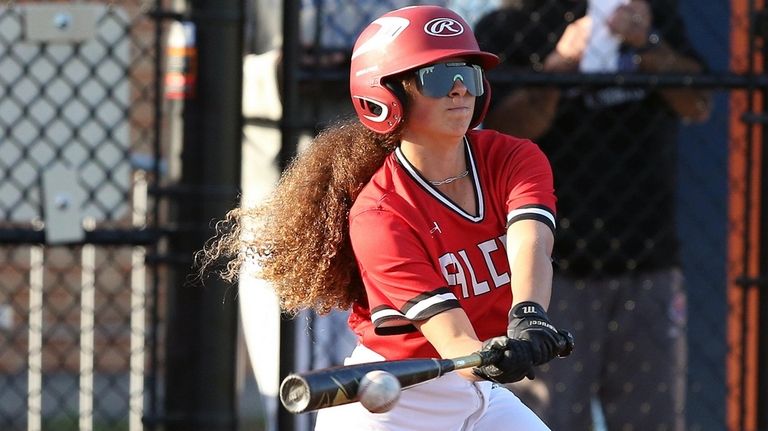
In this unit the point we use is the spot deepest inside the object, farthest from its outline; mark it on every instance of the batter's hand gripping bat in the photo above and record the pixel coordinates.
(335, 386)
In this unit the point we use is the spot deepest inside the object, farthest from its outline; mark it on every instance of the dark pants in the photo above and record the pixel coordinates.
(630, 354)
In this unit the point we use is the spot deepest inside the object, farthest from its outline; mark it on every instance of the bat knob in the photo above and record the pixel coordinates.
(566, 343)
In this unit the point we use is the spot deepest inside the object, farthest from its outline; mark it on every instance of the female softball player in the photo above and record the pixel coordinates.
(436, 235)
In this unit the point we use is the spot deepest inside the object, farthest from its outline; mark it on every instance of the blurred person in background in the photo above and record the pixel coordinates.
(617, 278)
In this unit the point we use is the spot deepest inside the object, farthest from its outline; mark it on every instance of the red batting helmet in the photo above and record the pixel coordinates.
(402, 40)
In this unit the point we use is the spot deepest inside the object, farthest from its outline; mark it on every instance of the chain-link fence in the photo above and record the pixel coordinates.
(78, 141)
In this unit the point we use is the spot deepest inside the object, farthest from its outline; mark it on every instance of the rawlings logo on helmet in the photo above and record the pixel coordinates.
(444, 27)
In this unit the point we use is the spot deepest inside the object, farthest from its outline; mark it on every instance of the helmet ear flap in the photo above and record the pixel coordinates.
(398, 90)
(381, 110)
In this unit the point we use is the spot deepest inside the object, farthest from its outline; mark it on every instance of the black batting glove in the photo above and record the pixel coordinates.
(529, 322)
(513, 364)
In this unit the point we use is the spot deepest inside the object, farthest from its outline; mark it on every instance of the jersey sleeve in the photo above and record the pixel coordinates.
(530, 193)
(401, 283)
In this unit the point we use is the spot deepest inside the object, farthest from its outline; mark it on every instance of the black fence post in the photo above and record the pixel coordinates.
(762, 245)
(202, 317)
(289, 142)
(759, 27)
(762, 283)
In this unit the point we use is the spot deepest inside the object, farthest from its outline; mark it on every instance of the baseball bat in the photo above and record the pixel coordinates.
(338, 385)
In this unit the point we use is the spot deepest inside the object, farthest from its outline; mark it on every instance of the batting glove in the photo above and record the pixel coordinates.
(514, 361)
(529, 322)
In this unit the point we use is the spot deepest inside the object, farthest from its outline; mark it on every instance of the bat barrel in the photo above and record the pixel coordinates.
(336, 386)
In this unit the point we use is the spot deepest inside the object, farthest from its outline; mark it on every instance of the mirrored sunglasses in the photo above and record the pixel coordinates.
(437, 80)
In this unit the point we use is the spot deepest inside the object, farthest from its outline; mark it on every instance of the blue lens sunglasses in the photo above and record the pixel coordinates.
(437, 80)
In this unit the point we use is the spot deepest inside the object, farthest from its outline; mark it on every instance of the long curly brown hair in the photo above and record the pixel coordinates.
(298, 239)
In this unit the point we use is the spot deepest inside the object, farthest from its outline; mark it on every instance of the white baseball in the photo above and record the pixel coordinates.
(378, 391)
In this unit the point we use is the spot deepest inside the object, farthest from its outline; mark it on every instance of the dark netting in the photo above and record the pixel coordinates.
(639, 188)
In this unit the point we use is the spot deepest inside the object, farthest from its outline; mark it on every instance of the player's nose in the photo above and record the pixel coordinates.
(458, 89)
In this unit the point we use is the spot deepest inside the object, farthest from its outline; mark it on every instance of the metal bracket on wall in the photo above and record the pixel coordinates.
(57, 22)
(63, 199)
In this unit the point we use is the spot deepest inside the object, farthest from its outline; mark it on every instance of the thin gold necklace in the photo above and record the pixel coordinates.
(450, 179)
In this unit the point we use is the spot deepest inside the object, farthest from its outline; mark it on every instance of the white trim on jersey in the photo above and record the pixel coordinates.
(418, 308)
(413, 312)
(384, 313)
(531, 210)
(441, 197)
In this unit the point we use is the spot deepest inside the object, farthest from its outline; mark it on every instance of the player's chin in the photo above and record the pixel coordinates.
(459, 128)
(458, 123)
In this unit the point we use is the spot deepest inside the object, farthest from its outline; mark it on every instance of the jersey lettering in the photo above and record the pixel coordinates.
(477, 288)
(456, 274)
(453, 272)
(487, 248)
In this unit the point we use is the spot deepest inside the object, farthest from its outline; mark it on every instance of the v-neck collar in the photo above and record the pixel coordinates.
(437, 194)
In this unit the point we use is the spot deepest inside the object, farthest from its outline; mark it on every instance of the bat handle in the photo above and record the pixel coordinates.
(493, 356)
(489, 357)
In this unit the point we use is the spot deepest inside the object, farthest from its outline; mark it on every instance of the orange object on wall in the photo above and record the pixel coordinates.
(744, 227)
(181, 68)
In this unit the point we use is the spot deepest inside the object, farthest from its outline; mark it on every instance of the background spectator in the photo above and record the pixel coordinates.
(613, 151)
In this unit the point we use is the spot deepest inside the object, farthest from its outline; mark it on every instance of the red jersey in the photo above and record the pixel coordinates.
(420, 254)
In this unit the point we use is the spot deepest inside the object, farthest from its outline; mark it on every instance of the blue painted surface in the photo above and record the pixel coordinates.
(703, 181)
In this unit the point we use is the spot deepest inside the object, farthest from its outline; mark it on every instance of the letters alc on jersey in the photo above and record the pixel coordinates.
(421, 254)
